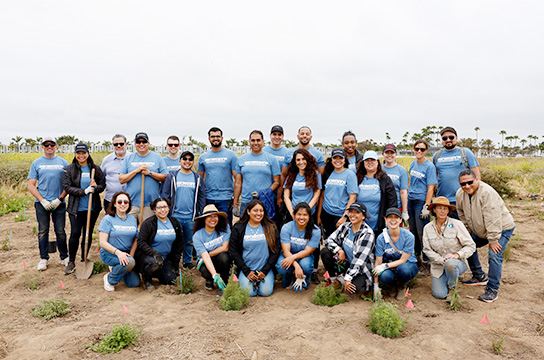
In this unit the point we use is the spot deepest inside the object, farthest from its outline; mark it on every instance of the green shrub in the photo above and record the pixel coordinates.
(51, 308)
(99, 267)
(328, 296)
(187, 283)
(119, 337)
(234, 297)
(32, 281)
(385, 320)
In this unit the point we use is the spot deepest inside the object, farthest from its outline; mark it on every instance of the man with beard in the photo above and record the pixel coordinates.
(110, 168)
(304, 137)
(349, 143)
(276, 147)
(218, 169)
(449, 162)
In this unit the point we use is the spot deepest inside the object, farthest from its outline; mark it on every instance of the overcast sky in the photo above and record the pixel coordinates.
(95, 68)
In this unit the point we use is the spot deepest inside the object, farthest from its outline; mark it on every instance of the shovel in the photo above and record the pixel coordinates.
(141, 217)
(85, 270)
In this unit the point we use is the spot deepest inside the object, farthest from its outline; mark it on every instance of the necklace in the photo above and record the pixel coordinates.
(253, 231)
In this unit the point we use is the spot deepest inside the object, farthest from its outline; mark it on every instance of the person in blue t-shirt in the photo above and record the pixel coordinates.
(255, 248)
(422, 183)
(276, 147)
(349, 143)
(160, 243)
(185, 189)
(303, 182)
(399, 176)
(142, 163)
(77, 183)
(395, 261)
(172, 159)
(211, 241)
(218, 169)
(299, 239)
(255, 171)
(45, 184)
(118, 235)
(449, 164)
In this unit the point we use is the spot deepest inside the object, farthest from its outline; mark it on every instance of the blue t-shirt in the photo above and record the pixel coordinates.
(164, 238)
(337, 190)
(369, 194)
(218, 166)
(48, 172)
(316, 153)
(399, 176)
(122, 231)
(185, 196)
(155, 163)
(204, 242)
(279, 154)
(85, 182)
(172, 164)
(255, 248)
(347, 246)
(405, 244)
(352, 163)
(257, 171)
(290, 234)
(421, 175)
(299, 192)
(448, 167)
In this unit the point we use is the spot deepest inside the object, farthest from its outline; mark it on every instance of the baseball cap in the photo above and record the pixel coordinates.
(48, 139)
(392, 211)
(448, 128)
(338, 152)
(370, 154)
(185, 153)
(359, 207)
(390, 147)
(141, 135)
(81, 147)
(277, 128)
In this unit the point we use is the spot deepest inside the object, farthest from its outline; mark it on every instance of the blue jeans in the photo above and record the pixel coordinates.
(265, 289)
(307, 265)
(402, 274)
(120, 272)
(452, 269)
(417, 224)
(222, 205)
(495, 260)
(59, 220)
(187, 230)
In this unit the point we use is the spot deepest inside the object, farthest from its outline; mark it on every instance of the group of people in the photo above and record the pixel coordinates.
(161, 214)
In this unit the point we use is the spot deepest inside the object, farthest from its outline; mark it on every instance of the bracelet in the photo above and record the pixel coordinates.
(114, 251)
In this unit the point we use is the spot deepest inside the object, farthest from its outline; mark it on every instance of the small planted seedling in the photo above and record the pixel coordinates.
(512, 244)
(187, 283)
(385, 320)
(52, 308)
(496, 345)
(455, 303)
(234, 297)
(120, 336)
(328, 296)
(99, 267)
(32, 281)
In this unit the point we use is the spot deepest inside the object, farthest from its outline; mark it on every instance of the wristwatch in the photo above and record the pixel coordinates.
(387, 266)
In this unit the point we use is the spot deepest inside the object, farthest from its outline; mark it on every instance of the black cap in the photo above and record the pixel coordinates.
(358, 206)
(338, 152)
(448, 128)
(393, 211)
(277, 128)
(81, 147)
(141, 135)
(185, 153)
(390, 147)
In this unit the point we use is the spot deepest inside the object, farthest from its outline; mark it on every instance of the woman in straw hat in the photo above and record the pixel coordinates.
(211, 242)
(447, 244)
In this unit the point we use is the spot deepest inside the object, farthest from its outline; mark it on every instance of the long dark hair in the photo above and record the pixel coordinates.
(90, 162)
(310, 173)
(310, 226)
(361, 172)
(154, 203)
(268, 225)
(329, 168)
(221, 226)
(111, 208)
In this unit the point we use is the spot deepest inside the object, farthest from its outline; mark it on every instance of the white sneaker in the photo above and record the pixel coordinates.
(42, 265)
(107, 285)
(65, 261)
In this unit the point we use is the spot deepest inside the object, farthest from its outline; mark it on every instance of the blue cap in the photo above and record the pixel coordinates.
(371, 154)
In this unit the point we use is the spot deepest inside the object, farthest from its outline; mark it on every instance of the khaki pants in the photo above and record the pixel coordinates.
(135, 211)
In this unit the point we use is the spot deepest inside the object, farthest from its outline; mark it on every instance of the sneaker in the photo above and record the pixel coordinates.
(70, 268)
(489, 296)
(314, 278)
(107, 285)
(219, 293)
(474, 281)
(188, 266)
(148, 285)
(42, 265)
(209, 285)
(65, 261)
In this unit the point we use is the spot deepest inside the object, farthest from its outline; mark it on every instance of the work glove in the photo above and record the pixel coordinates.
(219, 281)
(299, 284)
(379, 269)
(158, 259)
(405, 216)
(199, 263)
(89, 190)
(425, 213)
(46, 204)
(55, 204)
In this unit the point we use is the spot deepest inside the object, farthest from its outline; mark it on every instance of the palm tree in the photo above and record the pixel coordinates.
(477, 128)
(17, 140)
(503, 133)
(516, 138)
(488, 145)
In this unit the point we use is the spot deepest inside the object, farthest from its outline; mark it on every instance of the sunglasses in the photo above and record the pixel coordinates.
(141, 141)
(451, 137)
(172, 145)
(420, 149)
(466, 183)
(187, 159)
(49, 145)
(118, 144)
(122, 202)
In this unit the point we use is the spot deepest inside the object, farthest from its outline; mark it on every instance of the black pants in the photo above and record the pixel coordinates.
(165, 273)
(106, 205)
(330, 265)
(78, 226)
(221, 262)
(329, 222)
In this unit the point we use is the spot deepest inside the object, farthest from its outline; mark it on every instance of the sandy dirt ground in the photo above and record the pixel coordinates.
(284, 326)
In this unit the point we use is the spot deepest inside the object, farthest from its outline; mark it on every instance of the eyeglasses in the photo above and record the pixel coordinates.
(451, 137)
(172, 145)
(141, 141)
(215, 136)
(420, 149)
(49, 145)
(466, 183)
(163, 207)
(122, 202)
(118, 144)
(187, 159)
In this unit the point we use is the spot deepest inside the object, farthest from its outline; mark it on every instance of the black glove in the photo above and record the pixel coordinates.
(158, 259)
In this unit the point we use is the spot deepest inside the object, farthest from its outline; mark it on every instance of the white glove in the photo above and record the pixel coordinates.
(46, 204)
(89, 189)
(425, 213)
(405, 216)
(55, 204)
(376, 291)
(298, 285)
(379, 269)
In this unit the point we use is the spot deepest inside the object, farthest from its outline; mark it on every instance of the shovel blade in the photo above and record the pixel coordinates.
(84, 270)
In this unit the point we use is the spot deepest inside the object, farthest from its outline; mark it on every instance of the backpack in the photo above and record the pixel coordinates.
(464, 158)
